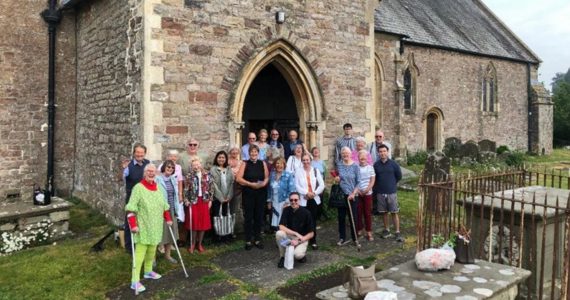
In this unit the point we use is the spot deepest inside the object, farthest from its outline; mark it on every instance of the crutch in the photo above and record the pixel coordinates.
(353, 225)
(134, 256)
(177, 250)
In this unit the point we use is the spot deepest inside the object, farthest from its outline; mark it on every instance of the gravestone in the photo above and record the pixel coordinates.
(451, 147)
(437, 167)
(469, 149)
(487, 145)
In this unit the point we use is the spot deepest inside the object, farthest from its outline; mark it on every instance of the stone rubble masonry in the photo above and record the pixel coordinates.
(452, 82)
(23, 100)
(109, 64)
(207, 44)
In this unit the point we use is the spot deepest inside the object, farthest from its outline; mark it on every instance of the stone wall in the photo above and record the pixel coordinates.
(201, 48)
(452, 82)
(109, 64)
(23, 99)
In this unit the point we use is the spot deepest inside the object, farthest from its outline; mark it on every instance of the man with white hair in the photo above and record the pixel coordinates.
(379, 139)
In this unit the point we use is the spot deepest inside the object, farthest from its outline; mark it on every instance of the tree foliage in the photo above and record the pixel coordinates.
(561, 98)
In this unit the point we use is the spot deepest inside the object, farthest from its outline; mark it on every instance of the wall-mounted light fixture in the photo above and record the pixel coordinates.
(280, 17)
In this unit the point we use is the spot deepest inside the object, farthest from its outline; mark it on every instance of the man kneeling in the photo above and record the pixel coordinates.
(296, 225)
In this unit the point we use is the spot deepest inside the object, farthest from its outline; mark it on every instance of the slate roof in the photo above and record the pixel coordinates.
(463, 25)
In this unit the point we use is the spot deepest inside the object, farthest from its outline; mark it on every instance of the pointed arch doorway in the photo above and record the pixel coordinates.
(278, 89)
(433, 120)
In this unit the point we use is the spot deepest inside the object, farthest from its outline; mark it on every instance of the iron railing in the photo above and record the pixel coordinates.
(517, 217)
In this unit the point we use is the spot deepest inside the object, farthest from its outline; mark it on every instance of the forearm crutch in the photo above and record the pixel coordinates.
(177, 250)
(134, 256)
(353, 225)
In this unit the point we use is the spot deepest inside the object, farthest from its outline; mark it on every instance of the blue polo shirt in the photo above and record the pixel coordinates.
(387, 176)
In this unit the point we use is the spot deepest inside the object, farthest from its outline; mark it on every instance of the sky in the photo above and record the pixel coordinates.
(544, 26)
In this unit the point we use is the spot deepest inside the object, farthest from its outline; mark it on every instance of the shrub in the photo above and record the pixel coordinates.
(418, 158)
(515, 159)
(502, 149)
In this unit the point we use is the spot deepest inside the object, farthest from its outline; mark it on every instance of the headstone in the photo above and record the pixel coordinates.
(437, 167)
(451, 147)
(487, 145)
(486, 157)
(469, 149)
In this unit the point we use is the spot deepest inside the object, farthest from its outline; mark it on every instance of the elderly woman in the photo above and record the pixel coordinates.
(309, 183)
(361, 145)
(198, 202)
(294, 161)
(223, 181)
(186, 158)
(146, 212)
(348, 176)
(262, 144)
(281, 184)
(365, 185)
(172, 155)
(168, 184)
(253, 175)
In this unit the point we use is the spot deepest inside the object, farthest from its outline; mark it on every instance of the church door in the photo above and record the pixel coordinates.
(269, 104)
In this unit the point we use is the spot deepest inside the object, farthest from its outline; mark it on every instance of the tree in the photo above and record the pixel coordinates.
(561, 98)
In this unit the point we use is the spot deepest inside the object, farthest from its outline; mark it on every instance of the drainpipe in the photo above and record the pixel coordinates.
(529, 101)
(51, 16)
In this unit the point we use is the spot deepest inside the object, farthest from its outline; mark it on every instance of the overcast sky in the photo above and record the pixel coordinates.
(544, 26)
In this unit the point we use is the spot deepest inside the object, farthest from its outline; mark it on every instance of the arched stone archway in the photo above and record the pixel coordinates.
(301, 79)
(433, 119)
(378, 85)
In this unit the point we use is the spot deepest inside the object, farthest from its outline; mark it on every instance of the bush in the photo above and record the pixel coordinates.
(502, 149)
(418, 158)
(515, 159)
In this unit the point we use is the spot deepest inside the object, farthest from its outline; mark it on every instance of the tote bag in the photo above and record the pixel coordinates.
(224, 225)
(337, 197)
(361, 281)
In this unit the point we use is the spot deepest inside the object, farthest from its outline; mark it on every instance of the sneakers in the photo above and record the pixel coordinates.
(281, 263)
(315, 246)
(138, 287)
(342, 242)
(258, 244)
(248, 246)
(152, 275)
(385, 234)
(399, 237)
(302, 260)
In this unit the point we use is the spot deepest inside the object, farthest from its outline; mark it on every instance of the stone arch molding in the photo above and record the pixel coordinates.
(301, 78)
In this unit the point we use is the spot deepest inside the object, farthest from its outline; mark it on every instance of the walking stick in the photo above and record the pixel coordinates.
(134, 257)
(353, 225)
(177, 250)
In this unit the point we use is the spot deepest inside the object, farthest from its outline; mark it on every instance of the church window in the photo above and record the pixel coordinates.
(408, 89)
(489, 90)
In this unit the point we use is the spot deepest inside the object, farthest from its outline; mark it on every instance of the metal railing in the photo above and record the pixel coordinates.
(517, 217)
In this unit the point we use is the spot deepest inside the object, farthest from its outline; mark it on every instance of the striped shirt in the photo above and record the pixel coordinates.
(341, 142)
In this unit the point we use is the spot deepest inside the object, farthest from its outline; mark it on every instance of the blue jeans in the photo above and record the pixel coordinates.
(341, 216)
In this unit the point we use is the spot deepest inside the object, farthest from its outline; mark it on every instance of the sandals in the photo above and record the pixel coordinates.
(369, 237)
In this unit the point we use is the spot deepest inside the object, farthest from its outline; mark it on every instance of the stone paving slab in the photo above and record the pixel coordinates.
(482, 280)
(259, 267)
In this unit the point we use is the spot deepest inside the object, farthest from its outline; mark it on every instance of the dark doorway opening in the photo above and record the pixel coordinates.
(269, 104)
(431, 128)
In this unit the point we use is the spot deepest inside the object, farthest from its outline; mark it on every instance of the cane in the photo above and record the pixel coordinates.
(177, 250)
(134, 257)
(353, 225)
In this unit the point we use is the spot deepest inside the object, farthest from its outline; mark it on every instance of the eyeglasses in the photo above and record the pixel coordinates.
(275, 134)
(379, 136)
(169, 167)
(293, 200)
(192, 145)
(252, 139)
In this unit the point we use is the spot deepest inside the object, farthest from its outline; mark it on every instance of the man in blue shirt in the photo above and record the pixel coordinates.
(388, 173)
(251, 139)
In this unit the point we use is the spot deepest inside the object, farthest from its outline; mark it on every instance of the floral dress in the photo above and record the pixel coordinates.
(149, 206)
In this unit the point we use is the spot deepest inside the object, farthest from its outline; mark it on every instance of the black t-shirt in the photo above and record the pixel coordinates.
(299, 220)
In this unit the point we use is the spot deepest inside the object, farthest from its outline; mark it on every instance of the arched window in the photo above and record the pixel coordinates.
(408, 93)
(489, 96)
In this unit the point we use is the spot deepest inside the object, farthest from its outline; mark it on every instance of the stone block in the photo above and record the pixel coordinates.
(487, 145)
(8, 227)
(469, 149)
(451, 147)
(59, 216)
(31, 221)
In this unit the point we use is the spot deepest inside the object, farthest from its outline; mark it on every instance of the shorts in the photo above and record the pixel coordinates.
(387, 203)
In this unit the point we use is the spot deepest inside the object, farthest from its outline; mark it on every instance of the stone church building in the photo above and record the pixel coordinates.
(161, 71)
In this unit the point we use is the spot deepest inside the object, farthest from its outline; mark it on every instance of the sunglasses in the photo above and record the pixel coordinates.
(275, 134)
(379, 136)
(192, 145)
(293, 200)
(169, 167)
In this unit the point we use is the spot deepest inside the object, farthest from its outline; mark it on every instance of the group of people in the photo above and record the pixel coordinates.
(282, 178)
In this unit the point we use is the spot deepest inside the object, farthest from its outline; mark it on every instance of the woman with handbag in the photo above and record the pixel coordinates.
(309, 183)
(347, 176)
(223, 181)
(281, 184)
(198, 202)
(253, 176)
(294, 161)
(168, 184)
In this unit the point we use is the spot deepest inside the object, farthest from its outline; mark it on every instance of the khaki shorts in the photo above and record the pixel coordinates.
(387, 203)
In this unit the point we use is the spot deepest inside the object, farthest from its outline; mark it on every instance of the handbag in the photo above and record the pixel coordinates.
(224, 225)
(463, 251)
(180, 215)
(361, 281)
(337, 197)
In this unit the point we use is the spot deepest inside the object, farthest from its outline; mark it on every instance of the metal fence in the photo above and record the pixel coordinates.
(516, 217)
